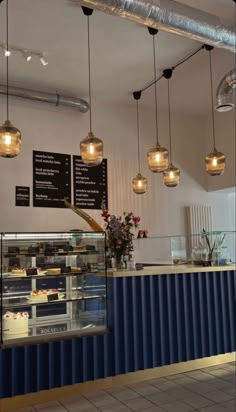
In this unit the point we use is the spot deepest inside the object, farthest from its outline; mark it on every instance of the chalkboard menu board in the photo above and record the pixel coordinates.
(51, 179)
(22, 196)
(90, 184)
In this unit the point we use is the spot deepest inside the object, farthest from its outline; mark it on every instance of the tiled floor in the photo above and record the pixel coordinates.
(205, 390)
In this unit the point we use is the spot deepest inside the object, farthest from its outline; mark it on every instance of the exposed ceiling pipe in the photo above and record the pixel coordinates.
(224, 101)
(170, 16)
(56, 99)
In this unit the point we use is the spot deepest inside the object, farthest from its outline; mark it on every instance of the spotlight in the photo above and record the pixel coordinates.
(43, 61)
(7, 53)
(27, 56)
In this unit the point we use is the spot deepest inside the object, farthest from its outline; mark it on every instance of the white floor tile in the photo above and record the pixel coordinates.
(144, 389)
(124, 394)
(153, 409)
(115, 408)
(77, 404)
(219, 396)
(198, 401)
(53, 406)
(177, 407)
(138, 404)
(213, 408)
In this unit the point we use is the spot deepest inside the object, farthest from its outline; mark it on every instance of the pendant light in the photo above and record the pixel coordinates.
(214, 161)
(171, 175)
(157, 156)
(91, 147)
(139, 182)
(10, 136)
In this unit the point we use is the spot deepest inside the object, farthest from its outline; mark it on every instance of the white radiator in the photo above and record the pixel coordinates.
(198, 218)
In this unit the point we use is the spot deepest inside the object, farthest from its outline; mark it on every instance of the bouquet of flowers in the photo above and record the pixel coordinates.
(119, 232)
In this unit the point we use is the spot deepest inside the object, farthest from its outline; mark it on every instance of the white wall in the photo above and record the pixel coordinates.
(225, 125)
(162, 209)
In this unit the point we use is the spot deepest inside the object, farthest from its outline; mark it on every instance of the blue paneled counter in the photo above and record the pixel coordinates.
(158, 316)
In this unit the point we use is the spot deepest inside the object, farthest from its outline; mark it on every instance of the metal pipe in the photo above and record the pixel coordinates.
(170, 16)
(56, 99)
(224, 101)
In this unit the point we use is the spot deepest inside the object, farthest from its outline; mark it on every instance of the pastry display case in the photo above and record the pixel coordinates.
(53, 285)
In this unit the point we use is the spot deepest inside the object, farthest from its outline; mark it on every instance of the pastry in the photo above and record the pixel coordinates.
(18, 272)
(76, 269)
(45, 295)
(54, 271)
(16, 323)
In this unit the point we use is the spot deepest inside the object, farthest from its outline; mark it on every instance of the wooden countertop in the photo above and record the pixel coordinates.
(171, 269)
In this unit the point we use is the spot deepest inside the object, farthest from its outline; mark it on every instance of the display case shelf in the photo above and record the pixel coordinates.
(80, 292)
(28, 302)
(42, 276)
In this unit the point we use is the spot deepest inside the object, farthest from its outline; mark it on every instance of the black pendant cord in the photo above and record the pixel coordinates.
(212, 103)
(155, 74)
(89, 70)
(138, 137)
(168, 82)
(7, 55)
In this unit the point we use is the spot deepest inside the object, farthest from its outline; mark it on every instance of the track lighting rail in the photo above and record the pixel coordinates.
(204, 46)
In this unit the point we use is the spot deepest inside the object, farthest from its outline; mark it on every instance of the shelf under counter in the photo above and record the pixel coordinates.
(43, 331)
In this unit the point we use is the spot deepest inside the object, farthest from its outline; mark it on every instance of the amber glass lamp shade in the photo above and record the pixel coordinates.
(171, 176)
(158, 159)
(139, 184)
(91, 150)
(10, 140)
(215, 163)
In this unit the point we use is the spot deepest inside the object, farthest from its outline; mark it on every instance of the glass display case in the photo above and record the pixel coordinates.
(53, 285)
(216, 248)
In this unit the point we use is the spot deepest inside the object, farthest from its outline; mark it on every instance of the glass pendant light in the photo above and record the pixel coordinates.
(10, 136)
(214, 161)
(91, 147)
(171, 175)
(139, 182)
(157, 156)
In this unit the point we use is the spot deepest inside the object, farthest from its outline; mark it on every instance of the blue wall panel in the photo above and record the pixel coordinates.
(153, 321)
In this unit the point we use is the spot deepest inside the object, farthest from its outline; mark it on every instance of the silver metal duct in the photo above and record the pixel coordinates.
(224, 101)
(56, 99)
(170, 16)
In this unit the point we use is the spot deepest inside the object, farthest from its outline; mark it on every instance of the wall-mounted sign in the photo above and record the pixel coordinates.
(90, 184)
(22, 196)
(51, 179)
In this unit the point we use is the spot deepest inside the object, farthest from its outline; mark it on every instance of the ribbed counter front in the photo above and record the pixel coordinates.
(158, 316)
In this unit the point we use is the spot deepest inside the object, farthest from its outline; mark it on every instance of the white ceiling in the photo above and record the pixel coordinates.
(121, 53)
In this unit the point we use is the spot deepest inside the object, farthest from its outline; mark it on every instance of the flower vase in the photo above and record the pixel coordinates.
(118, 263)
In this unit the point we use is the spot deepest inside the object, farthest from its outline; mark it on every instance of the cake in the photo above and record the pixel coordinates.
(15, 323)
(45, 295)
(54, 271)
(75, 269)
(24, 272)
(18, 272)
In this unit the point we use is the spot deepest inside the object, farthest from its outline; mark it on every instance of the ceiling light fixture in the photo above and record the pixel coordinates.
(91, 147)
(10, 136)
(7, 52)
(43, 60)
(171, 175)
(139, 182)
(157, 156)
(214, 161)
(27, 55)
